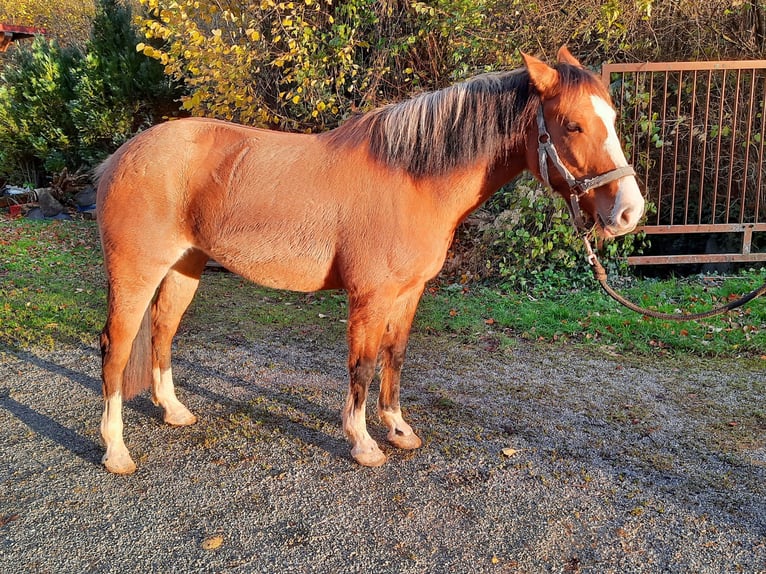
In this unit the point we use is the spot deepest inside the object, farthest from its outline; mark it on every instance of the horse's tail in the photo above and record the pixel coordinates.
(138, 372)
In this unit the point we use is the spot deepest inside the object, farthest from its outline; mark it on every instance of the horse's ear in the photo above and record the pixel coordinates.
(544, 78)
(566, 57)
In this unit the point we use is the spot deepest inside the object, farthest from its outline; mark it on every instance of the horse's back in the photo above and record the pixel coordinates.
(264, 204)
(284, 210)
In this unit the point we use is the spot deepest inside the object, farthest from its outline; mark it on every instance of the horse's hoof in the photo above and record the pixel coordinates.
(371, 457)
(404, 441)
(180, 418)
(119, 464)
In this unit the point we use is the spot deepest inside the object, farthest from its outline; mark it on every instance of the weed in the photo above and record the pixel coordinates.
(52, 288)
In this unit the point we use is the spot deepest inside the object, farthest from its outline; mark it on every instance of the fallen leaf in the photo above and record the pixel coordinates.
(8, 519)
(212, 542)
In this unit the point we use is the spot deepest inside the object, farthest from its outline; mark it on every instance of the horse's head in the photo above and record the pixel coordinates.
(574, 147)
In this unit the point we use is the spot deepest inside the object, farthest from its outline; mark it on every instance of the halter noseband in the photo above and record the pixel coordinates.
(577, 187)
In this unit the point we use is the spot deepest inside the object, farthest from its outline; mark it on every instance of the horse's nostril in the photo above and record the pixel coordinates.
(627, 216)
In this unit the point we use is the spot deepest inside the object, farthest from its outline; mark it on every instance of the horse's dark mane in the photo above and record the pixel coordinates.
(434, 132)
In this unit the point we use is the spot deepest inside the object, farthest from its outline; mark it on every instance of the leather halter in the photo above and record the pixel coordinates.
(577, 187)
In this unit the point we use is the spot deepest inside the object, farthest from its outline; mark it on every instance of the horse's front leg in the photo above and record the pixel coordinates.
(394, 348)
(365, 331)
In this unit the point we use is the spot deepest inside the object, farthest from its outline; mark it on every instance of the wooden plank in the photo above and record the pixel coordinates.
(698, 258)
(712, 228)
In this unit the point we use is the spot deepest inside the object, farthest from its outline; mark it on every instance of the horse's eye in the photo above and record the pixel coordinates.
(574, 127)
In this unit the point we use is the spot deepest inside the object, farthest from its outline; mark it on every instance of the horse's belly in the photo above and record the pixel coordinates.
(293, 270)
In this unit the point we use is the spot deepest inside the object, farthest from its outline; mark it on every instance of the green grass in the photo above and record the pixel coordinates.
(51, 283)
(52, 288)
(590, 317)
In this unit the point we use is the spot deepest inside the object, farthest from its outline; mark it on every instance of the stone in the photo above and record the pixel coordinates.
(86, 198)
(35, 213)
(49, 205)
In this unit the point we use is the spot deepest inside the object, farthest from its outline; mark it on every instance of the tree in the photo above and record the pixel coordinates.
(69, 107)
(66, 21)
(304, 65)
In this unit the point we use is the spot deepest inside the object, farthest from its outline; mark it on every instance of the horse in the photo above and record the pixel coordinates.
(369, 207)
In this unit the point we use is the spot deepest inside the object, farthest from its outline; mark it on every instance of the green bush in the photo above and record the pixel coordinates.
(36, 130)
(66, 108)
(305, 65)
(534, 246)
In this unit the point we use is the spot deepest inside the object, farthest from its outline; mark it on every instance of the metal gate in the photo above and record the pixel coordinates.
(695, 133)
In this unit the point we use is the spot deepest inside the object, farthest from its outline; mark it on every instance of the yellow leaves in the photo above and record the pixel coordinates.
(233, 58)
(150, 52)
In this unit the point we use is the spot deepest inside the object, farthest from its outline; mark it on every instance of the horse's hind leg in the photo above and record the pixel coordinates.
(173, 297)
(394, 348)
(126, 332)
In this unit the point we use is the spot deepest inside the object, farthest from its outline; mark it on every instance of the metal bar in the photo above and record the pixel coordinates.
(746, 175)
(691, 149)
(675, 147)
(650, 124)
(704, 148)
(718, 148)
(761, 159)
(732, 146)
(662, 150)
(634, 155)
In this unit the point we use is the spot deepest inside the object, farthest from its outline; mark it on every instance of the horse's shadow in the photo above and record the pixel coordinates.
(91, 450)
(263, 395)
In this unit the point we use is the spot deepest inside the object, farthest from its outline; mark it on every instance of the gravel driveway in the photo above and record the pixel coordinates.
(611, 464)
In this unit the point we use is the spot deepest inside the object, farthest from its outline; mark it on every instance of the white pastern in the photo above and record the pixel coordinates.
(629, 203)
(164, 395)
(400, 434)
(117, 458)
(364, 449)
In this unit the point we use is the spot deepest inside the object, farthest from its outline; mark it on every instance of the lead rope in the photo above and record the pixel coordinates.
(600, 274)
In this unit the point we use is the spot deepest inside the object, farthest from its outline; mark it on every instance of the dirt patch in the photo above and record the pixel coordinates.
(535, 459)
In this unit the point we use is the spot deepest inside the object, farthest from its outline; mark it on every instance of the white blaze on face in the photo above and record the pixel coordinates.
(629, 203)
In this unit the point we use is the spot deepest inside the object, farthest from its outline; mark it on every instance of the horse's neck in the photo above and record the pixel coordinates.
(462, 191)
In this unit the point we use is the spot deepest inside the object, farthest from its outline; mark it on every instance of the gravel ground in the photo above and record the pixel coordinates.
(617, 465)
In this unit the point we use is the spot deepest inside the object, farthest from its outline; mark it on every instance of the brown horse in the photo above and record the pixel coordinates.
(369, 207)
